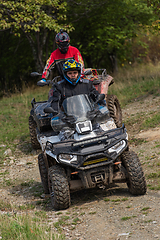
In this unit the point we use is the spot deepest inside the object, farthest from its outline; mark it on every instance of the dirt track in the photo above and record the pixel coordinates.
(109, 214)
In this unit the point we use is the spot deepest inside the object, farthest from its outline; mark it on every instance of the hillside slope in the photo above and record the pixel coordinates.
(108, 214)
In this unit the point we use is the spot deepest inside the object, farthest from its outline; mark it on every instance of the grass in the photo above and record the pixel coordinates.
(25, 227)
(116, 200)
(14, 115)
(153, 175)
(63, 221)
(15, 111)
(137, 141)
(155, 188)
(145, 208)
(151, 122)
(136, 82)
(127, 218)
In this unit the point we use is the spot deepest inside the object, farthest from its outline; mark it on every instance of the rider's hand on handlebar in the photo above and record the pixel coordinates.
(42, 82)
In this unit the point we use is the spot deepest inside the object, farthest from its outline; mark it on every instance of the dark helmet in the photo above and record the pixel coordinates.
(62, 40)
(71, 65)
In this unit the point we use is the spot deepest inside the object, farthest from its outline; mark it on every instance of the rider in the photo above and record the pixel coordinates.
(61, 54)
(71, 85)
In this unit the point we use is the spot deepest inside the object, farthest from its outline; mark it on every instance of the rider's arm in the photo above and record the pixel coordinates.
(94, 94)
(55, 99)
(49, 64)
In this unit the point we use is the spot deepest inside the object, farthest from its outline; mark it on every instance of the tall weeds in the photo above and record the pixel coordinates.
(135, 82)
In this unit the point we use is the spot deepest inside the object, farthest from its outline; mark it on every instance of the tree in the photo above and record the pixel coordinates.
(38, 20)
(104, 29)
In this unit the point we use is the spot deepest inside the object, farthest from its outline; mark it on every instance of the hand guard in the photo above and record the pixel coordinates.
(42, 82)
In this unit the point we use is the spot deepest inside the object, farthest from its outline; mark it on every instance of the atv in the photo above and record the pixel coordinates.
(82, 148)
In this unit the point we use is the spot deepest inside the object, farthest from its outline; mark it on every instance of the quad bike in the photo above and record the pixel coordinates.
(82, 148)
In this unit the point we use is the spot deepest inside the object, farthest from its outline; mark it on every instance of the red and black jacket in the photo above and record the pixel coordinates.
(57, 59)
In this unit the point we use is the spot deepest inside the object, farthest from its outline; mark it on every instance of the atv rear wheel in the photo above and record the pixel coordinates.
(114, 109)
(136, 180)
(33, 135)
(43, 173)
(58, 187)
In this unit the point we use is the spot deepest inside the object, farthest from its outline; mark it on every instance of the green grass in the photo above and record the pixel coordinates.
(92, 213)
(145, 208)
(125, 218)
(155, 188)
(152, 122)
(137, 141)
(136, 83)
(25, 227)
(75, 221)
(14, 115)
(153, 175)
(63, 221)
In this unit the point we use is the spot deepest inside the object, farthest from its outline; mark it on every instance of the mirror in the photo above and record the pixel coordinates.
(88, 71)
(35, 74)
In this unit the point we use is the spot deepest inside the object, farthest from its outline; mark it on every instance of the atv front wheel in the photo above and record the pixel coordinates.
(114, 109)
(58, 187)
(136, 180)
(43, 173)
(33, 135)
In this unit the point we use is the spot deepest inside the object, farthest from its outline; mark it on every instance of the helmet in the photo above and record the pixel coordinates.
(62, 39)
(71, 65)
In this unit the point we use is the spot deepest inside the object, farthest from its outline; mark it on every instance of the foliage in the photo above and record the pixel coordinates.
(155, 5)
(104, 33)
(107, 28)
(31, 15)
(16, 62)
(36, 19)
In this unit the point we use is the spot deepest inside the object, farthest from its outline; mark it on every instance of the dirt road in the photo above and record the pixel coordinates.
(109, 214)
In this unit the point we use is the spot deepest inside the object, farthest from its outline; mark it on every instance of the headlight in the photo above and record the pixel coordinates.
(67, 158)
(118, 147)
(84, 127)
(108, 125)
(49, 146)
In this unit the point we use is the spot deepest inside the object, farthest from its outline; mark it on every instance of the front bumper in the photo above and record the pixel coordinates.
(89, 153)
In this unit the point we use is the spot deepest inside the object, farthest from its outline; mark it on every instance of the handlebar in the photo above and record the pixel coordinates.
(89, 71)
